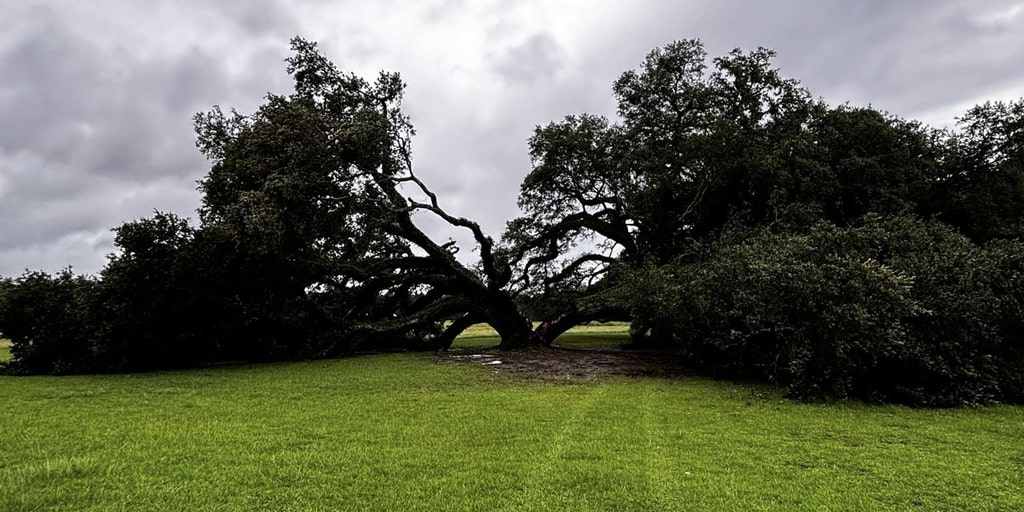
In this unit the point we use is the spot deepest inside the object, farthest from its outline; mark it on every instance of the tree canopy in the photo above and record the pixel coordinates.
(725, 211)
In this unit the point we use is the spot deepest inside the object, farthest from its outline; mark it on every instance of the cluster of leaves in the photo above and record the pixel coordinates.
(698, 206)
(295, 213)
(306, 248)
(47, 317)
(175, 296)
(725, 212)
(888, 309)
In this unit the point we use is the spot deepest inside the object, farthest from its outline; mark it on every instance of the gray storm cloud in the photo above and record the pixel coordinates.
(96, 99)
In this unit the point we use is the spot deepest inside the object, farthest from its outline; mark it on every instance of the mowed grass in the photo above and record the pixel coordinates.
(404, 432)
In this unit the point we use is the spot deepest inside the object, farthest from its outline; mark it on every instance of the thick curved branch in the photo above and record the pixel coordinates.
(571, 268)
(439, 311)
(616, 231)
(457, 327)
(495, 279)
(548, 241)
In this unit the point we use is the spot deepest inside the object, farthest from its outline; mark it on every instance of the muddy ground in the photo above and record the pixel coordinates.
(570, 364)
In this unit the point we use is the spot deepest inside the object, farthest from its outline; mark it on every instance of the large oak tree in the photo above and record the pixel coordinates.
(322, 182)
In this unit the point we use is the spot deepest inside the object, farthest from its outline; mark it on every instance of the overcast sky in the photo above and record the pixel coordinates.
(97, 97)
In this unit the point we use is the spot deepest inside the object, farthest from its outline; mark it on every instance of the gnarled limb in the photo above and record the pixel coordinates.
(454, 329)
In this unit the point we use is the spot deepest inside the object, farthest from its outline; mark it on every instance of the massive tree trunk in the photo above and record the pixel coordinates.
(514, 329)
(515, 333)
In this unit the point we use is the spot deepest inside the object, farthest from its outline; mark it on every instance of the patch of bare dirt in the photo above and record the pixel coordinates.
(571, 364)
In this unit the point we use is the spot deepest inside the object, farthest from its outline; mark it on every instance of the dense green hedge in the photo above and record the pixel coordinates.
(176, 297)
(47, 318)
(890, 309)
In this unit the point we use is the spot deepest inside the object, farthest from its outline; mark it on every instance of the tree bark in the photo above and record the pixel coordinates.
(516, 334)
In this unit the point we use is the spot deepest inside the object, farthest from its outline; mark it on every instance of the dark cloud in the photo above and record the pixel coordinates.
(93, 135)
(536, 58)
(104, 113)
(909, 57)
(96, 100)
(257, 17)
(913, 58)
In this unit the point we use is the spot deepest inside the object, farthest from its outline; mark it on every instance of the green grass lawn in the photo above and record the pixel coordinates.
(403, 432)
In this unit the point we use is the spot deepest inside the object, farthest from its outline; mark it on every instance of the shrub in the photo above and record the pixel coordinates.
(890, 309)
(778, 307)
(50, 322)
(1007, 258)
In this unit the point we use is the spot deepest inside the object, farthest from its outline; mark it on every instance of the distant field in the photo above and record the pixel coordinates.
(594, 335)
(597, 335)
(405, 432)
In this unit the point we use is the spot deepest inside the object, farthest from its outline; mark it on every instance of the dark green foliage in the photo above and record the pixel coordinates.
(309, 191)
(981, 188)
(849, 161)
(881, 308)
(291, 223)
(697, 145)
(1007, 261)
(305, 246)
(889, 309)
(51, 321)
(148, 305)
(788, 309)
(725, 212)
